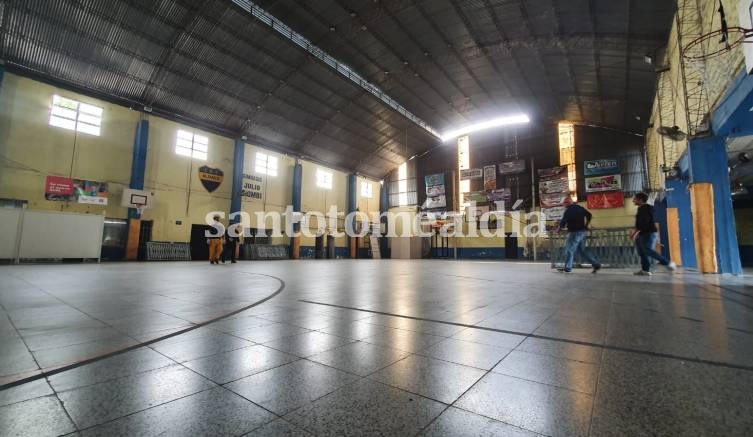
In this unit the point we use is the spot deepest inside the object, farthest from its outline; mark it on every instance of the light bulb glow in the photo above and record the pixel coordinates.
(496, 122)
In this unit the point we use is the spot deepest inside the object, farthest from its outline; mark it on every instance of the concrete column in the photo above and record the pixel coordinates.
(384, 206)
(717, 250)
(138, 171)
(295, 240)
(238, 161)
(352, 205)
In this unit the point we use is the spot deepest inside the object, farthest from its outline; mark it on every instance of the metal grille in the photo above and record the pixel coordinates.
(612, 247)
(158, 251)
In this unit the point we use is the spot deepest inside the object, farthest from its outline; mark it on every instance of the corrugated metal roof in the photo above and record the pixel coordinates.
(446, 61)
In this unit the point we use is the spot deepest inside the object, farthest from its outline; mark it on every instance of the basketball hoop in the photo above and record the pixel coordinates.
(716, 43)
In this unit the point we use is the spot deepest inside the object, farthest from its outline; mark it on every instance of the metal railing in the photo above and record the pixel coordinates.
(612, 247)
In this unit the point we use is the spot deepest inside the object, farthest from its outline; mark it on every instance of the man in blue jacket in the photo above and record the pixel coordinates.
(576, 219)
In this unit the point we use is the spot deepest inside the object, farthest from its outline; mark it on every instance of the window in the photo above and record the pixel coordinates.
(402, 176)
(324, 179)
(367, 190)
(266, 164)
(195, 146)
(72, 115)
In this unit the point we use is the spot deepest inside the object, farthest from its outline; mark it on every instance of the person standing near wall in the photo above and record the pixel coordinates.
(576, 219)
(215, 241)
(645, 236)
(231, 244)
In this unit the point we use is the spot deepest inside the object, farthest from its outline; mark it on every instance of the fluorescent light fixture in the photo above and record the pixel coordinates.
(497, 122)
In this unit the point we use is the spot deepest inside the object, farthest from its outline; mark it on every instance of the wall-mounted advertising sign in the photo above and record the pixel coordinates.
(604, 183)
(512, 167)
(471, 173)
(600, 167)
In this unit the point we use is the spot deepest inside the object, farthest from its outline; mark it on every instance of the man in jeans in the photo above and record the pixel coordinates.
(576, 219)
(645, 236)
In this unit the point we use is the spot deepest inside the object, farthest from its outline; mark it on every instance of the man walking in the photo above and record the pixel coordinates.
(576, 219)
(214, 240)
(645, 236)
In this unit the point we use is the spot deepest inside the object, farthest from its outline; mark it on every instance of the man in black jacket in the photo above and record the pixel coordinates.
(645, 236)
(577, 219)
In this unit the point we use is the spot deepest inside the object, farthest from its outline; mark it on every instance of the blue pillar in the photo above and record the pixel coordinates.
(708, 164)
(235, 196)
(138, 163)
(660, 215)
(295, 241)
(352, 205)
(678, 197)
(384, 206)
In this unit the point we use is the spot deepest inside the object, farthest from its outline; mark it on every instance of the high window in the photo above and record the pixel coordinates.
(76, 116)
(190, 144)
(324, 179)
(266, 164)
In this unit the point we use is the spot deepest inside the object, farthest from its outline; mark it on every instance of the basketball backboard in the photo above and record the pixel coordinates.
(139, 199)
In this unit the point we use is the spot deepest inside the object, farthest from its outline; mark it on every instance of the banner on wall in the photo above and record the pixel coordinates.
(561, 185)
(606, 200)
(490, 177)
(512, 167)
(434, 185)
(471, 173)
(76, 190)
(554, 213)
(554, 200)
(435, 202)
(604, 183)
(552, 173)
(58, 188)
(253, 187)
(210, 177)
(476, 196)
(500, 195)
(599, 167)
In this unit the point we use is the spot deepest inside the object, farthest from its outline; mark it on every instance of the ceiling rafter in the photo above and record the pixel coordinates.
(568, 64)
(597, 59)
(294, 69)
(439, 66)
(628, 61)
(529, 30)
(491, 59)
(373, 61)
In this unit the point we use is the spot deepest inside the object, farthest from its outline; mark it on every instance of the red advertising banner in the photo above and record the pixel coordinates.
(57, 188)
(606, 200)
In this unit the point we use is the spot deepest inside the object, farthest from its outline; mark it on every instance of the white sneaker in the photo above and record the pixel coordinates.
(642, 273)
(671, 266)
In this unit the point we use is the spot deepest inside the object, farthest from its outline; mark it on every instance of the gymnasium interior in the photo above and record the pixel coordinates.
(353, 218)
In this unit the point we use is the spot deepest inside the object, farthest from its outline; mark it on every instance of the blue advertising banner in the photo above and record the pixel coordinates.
(601, 167)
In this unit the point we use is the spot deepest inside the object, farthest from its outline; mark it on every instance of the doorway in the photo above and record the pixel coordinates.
(199, 246)
(145, 236)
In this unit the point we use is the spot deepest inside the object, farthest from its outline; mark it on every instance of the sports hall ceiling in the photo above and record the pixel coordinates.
(448, 62)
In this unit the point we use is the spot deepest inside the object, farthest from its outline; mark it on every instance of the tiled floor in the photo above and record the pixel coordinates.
(436, 348)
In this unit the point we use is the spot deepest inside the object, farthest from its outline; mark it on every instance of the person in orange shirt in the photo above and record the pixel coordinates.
(215, 241)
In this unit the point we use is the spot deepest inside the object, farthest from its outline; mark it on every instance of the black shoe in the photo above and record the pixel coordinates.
(597, 267)
(233, 262)
(564, 271)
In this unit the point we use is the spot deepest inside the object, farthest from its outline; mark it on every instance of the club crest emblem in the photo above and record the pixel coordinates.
(210, 178)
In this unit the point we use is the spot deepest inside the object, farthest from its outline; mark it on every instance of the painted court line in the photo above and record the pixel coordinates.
(45, 374)
(545, 337)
